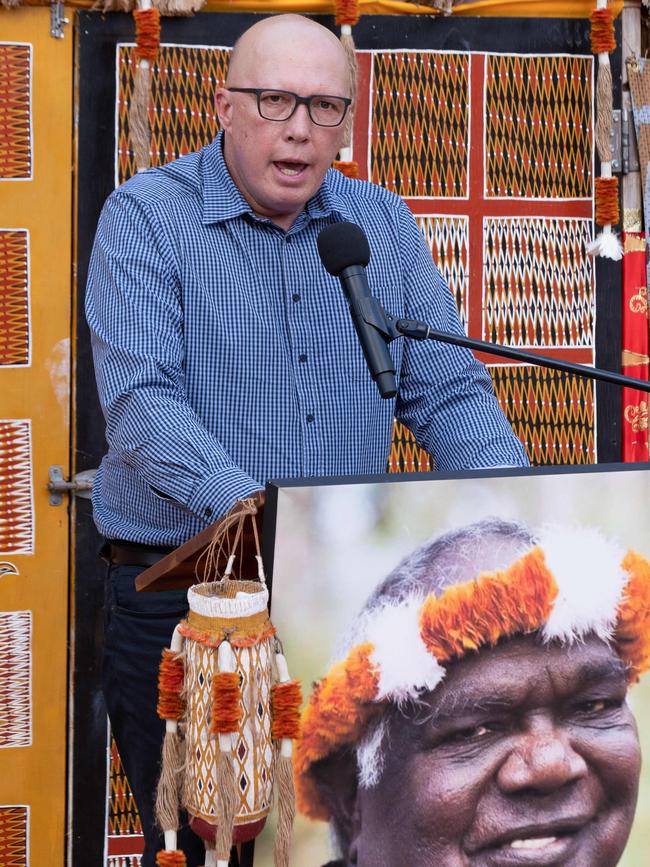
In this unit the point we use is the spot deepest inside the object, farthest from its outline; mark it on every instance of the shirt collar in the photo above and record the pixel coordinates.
(222, 199)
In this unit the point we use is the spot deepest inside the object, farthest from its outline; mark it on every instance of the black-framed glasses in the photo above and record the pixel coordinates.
(324, 110)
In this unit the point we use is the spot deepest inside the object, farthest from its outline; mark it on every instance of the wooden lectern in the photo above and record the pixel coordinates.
(178, 570)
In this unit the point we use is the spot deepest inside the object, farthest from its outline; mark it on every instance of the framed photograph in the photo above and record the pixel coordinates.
(330, 545)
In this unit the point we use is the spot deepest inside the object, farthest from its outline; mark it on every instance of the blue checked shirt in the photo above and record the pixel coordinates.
(225, 354)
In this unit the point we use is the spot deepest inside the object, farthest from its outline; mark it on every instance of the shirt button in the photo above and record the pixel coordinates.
(302, 358)
(310, 418)
(208, 512)
(295, 296)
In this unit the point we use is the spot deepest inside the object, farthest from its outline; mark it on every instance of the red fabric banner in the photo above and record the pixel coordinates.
(636, 346)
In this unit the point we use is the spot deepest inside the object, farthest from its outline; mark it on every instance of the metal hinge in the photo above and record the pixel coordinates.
(57, 19)
(625, 156)
(80, 486)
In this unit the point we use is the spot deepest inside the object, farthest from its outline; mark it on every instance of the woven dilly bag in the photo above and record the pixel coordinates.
(231, 715)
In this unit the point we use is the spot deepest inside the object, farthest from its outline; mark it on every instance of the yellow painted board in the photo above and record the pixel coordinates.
(38, 395)
(493, 8)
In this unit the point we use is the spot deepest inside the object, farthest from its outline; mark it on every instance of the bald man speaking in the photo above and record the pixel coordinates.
(225, 354)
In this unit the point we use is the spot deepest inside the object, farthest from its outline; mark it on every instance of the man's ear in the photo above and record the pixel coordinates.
(336, 778)
(223, 105)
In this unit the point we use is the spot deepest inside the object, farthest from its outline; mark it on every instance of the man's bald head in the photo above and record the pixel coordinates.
(276, 35)
(280, 163)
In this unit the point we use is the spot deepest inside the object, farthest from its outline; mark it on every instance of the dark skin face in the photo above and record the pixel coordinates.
(525, 755)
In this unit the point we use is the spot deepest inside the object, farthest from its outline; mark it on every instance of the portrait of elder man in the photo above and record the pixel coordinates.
(225, 354)
(480, 717)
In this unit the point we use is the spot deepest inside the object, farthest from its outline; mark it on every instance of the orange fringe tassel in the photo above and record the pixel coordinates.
(603, 40)
(607, 212)
(226, 703)
(170, 684)
(286, 699)
(147, 33)
(347, 12)
(632, 634)
(174, 858)
(495, 605)
(349, 169)
(337, 714)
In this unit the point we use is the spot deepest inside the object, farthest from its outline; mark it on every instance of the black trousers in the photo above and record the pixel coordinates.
(137, 627)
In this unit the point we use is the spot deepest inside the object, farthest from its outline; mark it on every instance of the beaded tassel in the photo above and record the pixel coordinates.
(607, 243)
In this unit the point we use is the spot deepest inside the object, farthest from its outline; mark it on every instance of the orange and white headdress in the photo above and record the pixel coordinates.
(571, 584)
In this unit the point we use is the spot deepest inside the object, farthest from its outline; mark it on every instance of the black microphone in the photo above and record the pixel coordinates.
(344, 251)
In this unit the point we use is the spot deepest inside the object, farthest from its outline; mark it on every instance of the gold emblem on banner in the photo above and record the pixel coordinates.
(632, 223)
(637, 416)
(629, 358)
(639, 303)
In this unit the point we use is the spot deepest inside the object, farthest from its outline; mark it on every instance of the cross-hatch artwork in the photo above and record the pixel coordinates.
(16, 501)
(15, 112)
(14, 297)
(14, 822)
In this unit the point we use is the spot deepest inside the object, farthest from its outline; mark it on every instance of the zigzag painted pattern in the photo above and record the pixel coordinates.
(123, 817)
(538, 282)
(123, 861)
(13, 836)
(14, 298)
(15, 678)
(15, 112)
(420, 142)
(538, 128)
(182, 108)
(551, 413)
(448, 239)
(405, 454)
(16, 511)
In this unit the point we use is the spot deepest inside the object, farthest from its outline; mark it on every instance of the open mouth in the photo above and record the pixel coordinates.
(290, 169)
(533, 843)
(541, 848)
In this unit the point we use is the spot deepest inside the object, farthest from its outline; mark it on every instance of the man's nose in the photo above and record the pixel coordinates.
(541, 760)
(299, 126)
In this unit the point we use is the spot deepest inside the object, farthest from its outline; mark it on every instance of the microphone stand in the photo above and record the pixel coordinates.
(390, 328)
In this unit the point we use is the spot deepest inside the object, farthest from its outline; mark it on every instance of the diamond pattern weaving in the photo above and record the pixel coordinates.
(405, 454)
(420, 123)
(253, 751)
(123, 815)
(448, 240)
(551, 413)
(181, 111)
(538, 127)
(538, 282)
